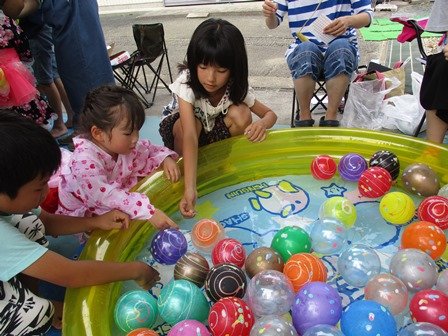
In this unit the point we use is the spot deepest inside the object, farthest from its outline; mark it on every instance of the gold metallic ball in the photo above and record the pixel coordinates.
(262, 259)
(421, 180)
(192, 267)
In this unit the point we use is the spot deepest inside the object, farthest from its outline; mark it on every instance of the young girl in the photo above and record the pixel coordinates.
(214, 98)
(109, 159)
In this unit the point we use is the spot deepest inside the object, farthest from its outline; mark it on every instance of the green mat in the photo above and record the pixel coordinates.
(383, 29)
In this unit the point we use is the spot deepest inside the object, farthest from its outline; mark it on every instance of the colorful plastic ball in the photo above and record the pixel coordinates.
(316, 303)
(351, 166)
(182, 300)
(263, 259)
(443, 191)
(192, 267)
(291, 240)
(358, 263)
(323, 330)
(142, 332)
(367, 318)
(397, 208)
(168, 246)
(424, 236)
(430, 305)
(374, 182)
(328, 236)
(422, 329)
(270, 293)
(230, 316)
(386, 160)
(388, 290)
(189, 328)
(421, 180)
(272, 325)
(225, 280)
(206, 233)
(303, 268)
(229, 250)
(434, 209)
(323, 167)
(415, 268)
(442, 281)
(135, 309)
(340, 208)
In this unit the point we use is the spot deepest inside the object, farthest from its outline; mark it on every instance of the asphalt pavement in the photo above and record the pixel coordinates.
(269, 75)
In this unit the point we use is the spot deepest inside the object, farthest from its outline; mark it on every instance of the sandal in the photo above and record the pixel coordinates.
(328, 123)
(304, 123)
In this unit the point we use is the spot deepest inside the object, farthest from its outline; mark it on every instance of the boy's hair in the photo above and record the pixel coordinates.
(27, 151)
(106, 106)
(218, 42)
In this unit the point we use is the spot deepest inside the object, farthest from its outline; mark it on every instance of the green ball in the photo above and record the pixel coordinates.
(182, 300)
(291, 240)
(135, 309)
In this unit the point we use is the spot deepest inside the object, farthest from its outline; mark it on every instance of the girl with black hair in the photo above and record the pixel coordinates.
(213, 100)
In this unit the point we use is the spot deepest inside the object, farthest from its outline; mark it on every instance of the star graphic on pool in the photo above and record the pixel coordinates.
(206, 209)
(333, 190)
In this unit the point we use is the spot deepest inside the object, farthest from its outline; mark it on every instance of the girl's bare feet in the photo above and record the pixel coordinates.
(57, 317)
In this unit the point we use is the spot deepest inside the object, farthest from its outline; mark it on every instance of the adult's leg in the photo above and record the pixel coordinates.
(65, 101)
(306, 64)
(340, 62)
(436, 127)
(81, 54)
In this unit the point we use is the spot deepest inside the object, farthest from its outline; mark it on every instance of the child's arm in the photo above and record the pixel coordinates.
(257, 130)
(190, 154)
(61, 271)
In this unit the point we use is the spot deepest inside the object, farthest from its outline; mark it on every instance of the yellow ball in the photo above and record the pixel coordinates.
(340, 208)
(397, 208)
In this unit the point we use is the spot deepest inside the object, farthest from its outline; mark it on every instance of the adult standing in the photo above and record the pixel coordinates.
(309, 58)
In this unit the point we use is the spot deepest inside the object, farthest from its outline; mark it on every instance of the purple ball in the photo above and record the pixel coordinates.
(168, 246)
(316, 303)
(351, 166)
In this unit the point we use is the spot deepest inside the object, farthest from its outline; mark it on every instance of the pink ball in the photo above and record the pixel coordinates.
(189, 328)
(230, 251)
(374, 182)
(230, 316)
(323, 167)
(434, 209)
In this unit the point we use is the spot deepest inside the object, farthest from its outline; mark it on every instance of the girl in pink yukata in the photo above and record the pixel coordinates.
(109, 159)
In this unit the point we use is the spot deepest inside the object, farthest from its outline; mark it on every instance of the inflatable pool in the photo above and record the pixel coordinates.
(89, 311)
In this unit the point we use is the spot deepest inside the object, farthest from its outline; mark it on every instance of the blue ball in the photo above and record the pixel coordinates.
(367, 318)
(168, 246)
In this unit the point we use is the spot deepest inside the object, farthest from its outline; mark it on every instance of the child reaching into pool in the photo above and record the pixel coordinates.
(28, 157)
(213, 100)
(109, 159)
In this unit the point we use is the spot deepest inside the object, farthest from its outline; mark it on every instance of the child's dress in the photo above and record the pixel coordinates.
(92, 182)
(17, 84)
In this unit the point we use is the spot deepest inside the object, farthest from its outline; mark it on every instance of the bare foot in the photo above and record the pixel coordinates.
(57, 317)
(69, 122)
(57, 131)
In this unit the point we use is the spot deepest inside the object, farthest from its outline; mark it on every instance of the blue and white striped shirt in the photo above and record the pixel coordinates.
(302, 13)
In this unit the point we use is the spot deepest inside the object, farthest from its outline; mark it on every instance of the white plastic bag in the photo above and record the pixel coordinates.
(363, 107)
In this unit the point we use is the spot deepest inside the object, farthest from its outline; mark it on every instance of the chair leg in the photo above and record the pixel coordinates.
(420, 125)
(293, 110)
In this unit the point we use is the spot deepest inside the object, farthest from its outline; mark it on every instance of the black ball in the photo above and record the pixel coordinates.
(386, 160)
(225, 280)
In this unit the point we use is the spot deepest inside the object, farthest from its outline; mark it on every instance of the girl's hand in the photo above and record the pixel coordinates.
(114, 219)
(269, 8)
(256, 132)
(161, 221)
(338, 26)
(171, 169)
(187, 203)
(148, 277)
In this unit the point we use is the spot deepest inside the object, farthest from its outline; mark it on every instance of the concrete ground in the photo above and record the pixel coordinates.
(269, 75)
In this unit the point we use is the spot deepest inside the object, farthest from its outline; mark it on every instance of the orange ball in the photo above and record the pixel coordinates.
(206, 234)
(303, 268)
(142, 332)
(426, 237)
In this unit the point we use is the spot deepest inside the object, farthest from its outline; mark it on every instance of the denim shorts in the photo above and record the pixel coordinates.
(307, 59)
(44, 66)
